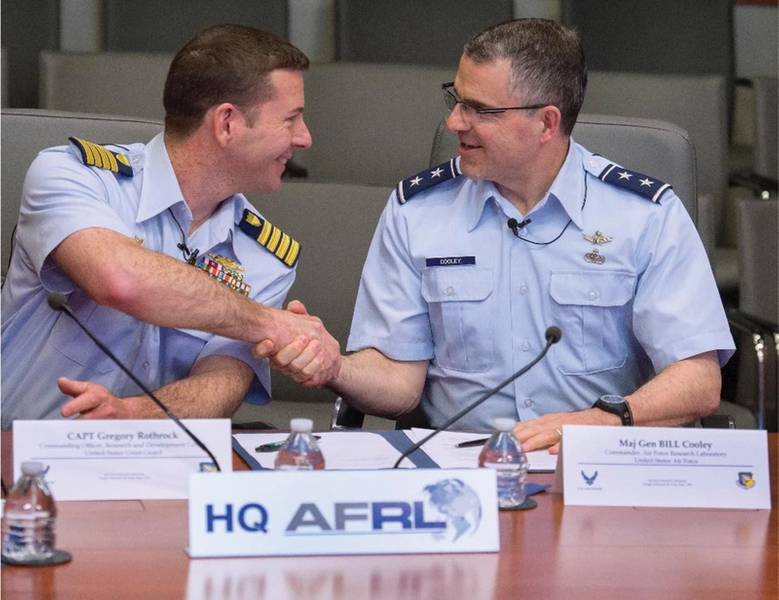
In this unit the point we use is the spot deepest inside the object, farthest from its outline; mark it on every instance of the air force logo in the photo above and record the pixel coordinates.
(589, 479)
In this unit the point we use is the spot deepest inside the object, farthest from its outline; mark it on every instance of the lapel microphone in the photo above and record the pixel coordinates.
(515, 225)
(60, 302)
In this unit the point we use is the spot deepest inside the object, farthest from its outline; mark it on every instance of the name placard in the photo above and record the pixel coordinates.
(121, 460)
(661, 466)
(266, 513)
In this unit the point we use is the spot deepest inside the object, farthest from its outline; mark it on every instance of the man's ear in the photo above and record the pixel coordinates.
(223, 121)
(551, 119)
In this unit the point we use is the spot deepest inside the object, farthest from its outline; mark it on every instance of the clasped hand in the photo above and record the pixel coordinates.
(312, 357)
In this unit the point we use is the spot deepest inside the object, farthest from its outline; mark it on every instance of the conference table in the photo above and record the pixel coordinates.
(137, 549)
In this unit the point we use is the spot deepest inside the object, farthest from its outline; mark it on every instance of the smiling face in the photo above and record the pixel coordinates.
(268, 134)
(497, 147)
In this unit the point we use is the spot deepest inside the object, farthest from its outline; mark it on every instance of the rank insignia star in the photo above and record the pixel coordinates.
(138, 240)
(598, 238)
(649, 187)
(429, 178)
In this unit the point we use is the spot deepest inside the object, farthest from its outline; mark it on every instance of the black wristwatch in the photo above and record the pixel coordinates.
(616, 405)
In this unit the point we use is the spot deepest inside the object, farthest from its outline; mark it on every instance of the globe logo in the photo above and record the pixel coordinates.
(458, 503)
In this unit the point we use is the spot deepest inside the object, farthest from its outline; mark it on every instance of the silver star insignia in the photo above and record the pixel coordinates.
(437, 172)
(416, 180)
(647, 182)
(625, 175)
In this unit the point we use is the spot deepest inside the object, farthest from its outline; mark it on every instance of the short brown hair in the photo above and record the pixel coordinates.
(547, 62)
(224, 63)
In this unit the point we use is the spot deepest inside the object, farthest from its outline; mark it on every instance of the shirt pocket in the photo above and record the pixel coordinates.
(593, 311)
(461, 316)
(113, 328)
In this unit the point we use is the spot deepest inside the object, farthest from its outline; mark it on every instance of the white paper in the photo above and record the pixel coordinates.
(268, 513)
(662, 466)
(444, 451)
(121, 459)
(341, 449)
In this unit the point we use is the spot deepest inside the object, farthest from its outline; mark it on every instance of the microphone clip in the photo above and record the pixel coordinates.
(516, 226)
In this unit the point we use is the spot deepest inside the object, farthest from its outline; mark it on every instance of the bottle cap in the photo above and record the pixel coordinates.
(301, 425)
(504, 424)
(33, 468)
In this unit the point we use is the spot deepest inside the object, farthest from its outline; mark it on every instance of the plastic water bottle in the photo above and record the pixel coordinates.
(300, 452)
(29, 516)
(503, 453)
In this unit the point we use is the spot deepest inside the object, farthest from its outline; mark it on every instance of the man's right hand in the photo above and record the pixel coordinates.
(304, 350)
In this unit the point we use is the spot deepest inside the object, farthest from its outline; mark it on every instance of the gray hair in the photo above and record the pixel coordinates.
(547, 62)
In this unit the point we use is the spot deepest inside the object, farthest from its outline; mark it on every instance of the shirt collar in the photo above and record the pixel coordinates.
(475, 195)
(160, 188)
(568, 187)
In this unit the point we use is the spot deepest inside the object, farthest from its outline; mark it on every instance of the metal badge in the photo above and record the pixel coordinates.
(598, 238)
(594, 257)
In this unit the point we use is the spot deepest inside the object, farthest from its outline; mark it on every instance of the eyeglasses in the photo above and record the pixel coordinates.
(469, 109)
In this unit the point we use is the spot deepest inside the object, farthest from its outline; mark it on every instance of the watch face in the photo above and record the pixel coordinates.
(612, 399)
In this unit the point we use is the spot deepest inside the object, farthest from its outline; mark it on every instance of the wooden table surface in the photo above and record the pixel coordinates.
(136, 549)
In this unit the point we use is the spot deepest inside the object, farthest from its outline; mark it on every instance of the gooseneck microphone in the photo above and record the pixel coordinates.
(515, 225)
(552, 335)
(60, 303)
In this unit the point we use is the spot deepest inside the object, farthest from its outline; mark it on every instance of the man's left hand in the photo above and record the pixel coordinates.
(92, 401)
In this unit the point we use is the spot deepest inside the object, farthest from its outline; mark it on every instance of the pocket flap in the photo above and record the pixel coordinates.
(592, 288)
(456, 284)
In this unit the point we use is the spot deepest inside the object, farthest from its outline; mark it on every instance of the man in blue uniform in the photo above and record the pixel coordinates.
(159, 252)
(473, 260)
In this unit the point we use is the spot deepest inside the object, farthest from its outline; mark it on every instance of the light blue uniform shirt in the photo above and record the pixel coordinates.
(481, 317)
(61, 196)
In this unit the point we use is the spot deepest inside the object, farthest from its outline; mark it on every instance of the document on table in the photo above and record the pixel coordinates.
(341, 449)
(444, 451)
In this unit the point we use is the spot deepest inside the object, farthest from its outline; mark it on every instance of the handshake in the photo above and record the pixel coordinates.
(301, 347)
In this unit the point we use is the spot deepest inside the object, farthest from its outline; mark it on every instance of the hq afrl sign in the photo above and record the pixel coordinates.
(342, 512)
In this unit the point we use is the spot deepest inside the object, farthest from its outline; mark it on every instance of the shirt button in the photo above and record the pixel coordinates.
(525, 346)
(449, 291)
(146, 364)
(593, 294)
(523, 289)
(529, 402)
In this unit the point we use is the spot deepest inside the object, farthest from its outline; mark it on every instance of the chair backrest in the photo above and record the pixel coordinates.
(656, 148)
(764, 154)
(371, 123)
(696, 103)
(334, 224)
(114, 83)
(25, 132)
(758, 229)
(432, 32)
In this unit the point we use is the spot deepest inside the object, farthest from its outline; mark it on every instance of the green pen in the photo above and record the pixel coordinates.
(273, 446)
